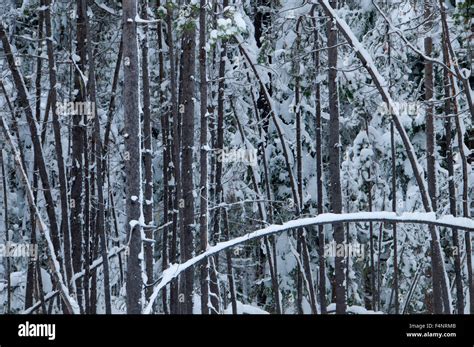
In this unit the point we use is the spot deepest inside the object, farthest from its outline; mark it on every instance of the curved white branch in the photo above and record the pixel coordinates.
(328, 218)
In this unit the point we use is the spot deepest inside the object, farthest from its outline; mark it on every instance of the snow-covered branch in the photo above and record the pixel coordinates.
(329, 218)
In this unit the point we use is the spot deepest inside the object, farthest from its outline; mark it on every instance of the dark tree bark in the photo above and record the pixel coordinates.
(78, 148)
(147, 156)
(7, 232)
(452, 190)
(319, 165)
(167, 169)
(97, 153)
(58, 144)
(31, 283)
(334, 158)
(176, 158)
(133, 154)
(187, 232)
(430, 146)
(203, 183)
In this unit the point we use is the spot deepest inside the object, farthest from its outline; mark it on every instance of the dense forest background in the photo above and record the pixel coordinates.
(236, 156)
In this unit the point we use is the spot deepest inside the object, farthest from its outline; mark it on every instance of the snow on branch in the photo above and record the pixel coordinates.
(328, 218)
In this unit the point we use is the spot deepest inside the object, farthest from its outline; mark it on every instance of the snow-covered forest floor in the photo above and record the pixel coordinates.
(236, 156)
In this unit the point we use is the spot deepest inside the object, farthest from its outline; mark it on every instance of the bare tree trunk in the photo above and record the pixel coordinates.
(92, 232)
(430, 146)
(319, 165)
(334, 158)
(97, 150)
(78, 149)
(203, 185)
(175, 119)
(31, 283)
(187, 233)
(394, 209)
(452, 191)
(133, 152)
(230, 271)
(371, 242)
(147, 156)
(58, 144)
(219, 145)
(167, 169)
(7, 233)
(393, 151)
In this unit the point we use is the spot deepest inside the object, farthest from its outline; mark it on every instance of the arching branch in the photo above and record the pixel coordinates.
(328, 218)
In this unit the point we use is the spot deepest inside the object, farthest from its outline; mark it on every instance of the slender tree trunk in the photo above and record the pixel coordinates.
(32, 263)
(7, 233)
(175, 119)
(58, 144)
(133, 154)
(430, 147)
(187, 232)
(319, 165)
(452, 192)
(167, 169)
(230, 271)
(78, 149)
(203, 185)
(334, 158)
(147, 155)
(98, 151)
(371, 242)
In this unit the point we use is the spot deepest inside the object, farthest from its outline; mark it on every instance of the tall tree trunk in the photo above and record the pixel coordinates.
(430, 147)
(394, 209)
(334, 158)
(147, 155)
(176, 159)
(187, 232)
(78, 148)
(97, 150)
(58, 142)
(133, 154)
(203, 185)
(7, 233)
(32, 263)
(167, 169)
(319, 165)
(452, 190)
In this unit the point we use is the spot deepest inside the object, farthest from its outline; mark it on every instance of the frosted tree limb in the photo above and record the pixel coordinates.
(328, 218)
